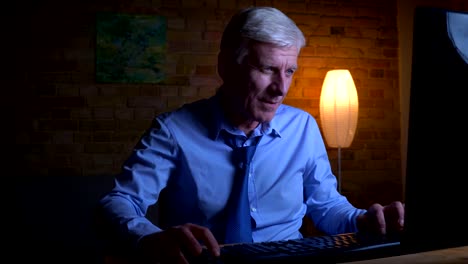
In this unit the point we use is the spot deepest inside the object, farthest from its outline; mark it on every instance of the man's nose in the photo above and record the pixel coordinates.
(280, 84)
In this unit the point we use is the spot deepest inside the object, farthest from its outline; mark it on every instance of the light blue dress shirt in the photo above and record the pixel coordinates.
(184, 153)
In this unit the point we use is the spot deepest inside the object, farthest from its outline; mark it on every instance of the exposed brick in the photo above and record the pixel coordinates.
(150, 90)
(103, 148)
(102, 159)
(67, 90)
(312, 92)
(348, 52)
(183, 35)
(124, 113)
(178, 45)
(75, 148)
(227, 4)
(390, 53)
(387, 43)
(66, 109)
(309, 82)
(102, 136)
(210, 70)
(214, 25)
(308, 51)
(83, 137)
(366, 22)
(147, 101)
(134, 125)
(169, 91)
(204, 81)
(337, 30)
(319, 30)
(57, 125)
(323, 51)
(105, 101)
(187, 91)
(40, 137)
(321, 41)
(118, 90)
(144, 113)
(205, 45)
(82, 113)
(176, 80)
(60, 172)
(376, 73)
(46, 90)
(61, 101)
(206, 91)
(87, 90)
(97, 125)
(60, 113)
(103, 113)
(63, 137)
(213, 36)
(359, 43)
(295, 91)
(335, 20)
(176, 23)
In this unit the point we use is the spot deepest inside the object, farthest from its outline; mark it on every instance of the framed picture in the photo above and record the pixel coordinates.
(130, 48)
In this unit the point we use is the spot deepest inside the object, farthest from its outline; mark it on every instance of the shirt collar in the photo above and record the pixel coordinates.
(220, 123)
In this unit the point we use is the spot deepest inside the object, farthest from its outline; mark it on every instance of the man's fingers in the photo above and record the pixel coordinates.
(188, 241)
(395, 212)
(211, 243)
(191, 235)
(380, 218)
(205, 235)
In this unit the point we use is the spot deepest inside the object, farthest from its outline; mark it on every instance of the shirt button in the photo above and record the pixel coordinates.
(253, 209)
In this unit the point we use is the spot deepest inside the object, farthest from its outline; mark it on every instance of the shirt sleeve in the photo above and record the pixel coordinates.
(330, 211)
(144, 174)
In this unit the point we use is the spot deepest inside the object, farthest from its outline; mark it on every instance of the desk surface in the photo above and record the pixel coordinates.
(455, 255)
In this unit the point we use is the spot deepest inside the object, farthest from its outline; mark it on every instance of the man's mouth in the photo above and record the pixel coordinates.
(270, 105)
(272, 102)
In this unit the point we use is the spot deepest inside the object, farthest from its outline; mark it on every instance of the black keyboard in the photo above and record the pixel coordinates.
(317, 249)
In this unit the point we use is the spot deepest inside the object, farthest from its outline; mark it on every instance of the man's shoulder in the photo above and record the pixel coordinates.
(196, 114)
(200, 106)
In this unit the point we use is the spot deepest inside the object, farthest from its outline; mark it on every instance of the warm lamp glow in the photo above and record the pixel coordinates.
(339, 108)
(339, 111)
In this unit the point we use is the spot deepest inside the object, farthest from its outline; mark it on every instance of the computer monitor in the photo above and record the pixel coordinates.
(437, 160)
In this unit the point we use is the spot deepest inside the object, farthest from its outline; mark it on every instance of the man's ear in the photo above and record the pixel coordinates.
(228, 68)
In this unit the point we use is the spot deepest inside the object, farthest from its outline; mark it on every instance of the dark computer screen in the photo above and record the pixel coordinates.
(437, 160)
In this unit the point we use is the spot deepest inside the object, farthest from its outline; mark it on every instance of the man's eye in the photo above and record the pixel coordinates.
(267, 69)
(290, 72)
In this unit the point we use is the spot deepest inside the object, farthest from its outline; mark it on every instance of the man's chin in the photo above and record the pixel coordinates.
(264, 117)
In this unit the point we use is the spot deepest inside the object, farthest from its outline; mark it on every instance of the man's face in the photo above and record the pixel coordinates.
(266, 76)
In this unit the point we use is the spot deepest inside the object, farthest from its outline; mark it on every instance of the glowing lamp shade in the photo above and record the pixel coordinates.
(338, 108)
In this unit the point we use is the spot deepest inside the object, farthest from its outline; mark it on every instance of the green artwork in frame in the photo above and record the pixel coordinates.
(130, 48)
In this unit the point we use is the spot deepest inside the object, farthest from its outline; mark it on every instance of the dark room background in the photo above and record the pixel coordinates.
(69, 126)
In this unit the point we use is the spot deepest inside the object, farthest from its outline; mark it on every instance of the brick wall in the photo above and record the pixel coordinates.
(67, 124)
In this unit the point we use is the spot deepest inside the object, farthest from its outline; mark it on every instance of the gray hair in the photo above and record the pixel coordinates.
(263, 24)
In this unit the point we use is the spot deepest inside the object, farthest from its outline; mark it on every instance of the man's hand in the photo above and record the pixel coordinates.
(382, 220)
(177, 244)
